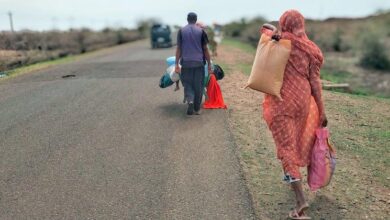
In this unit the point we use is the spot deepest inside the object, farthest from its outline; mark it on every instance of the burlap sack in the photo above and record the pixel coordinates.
(269, 65)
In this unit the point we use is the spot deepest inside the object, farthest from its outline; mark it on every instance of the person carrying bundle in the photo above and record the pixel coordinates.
(192, 54)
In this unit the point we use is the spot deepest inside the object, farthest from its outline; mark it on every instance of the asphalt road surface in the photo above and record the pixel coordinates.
(110, 144)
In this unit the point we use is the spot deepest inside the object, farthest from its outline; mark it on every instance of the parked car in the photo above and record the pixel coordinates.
(160, 36)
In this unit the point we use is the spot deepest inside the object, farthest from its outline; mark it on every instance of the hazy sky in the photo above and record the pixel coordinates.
(62, 14)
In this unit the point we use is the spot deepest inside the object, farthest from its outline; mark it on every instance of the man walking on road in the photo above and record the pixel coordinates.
(192, 53)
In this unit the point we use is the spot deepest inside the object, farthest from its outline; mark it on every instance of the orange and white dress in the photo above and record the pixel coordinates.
(293, 121)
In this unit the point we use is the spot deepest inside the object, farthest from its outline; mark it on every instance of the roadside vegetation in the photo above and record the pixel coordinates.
(29, 47)
(357, 51)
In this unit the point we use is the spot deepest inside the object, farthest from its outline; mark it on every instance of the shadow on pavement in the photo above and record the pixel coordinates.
(178, 110)
(174, 110)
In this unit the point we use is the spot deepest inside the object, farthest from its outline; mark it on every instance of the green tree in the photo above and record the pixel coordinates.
(144, 25)
(374, 54)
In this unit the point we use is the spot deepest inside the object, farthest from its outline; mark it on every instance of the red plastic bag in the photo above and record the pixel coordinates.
(215, 98)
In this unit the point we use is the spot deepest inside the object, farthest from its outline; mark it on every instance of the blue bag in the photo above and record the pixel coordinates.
(171, 61)
(165, 81)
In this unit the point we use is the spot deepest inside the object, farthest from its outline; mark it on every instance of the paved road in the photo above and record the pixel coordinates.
(110, 144)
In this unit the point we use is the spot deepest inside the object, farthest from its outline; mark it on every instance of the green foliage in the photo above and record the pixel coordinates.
(120, 38)
(374, 54)
(387, 24)
(238, 44)
(144, 25)
(337, 41)
(311, 34)
(334, 41)
(234, 29)
(338, 44)
(335, 76)
(246, 31)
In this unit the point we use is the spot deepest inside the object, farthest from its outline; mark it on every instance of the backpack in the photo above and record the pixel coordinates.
(218, 72)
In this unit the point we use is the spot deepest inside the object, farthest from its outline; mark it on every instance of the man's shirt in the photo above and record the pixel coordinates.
(191, 40)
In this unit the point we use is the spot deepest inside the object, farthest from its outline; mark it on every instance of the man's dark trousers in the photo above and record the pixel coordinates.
(192, 79)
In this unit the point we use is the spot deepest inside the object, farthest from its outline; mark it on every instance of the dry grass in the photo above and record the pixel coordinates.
(47, 64)
(360, 131)
(29, 47)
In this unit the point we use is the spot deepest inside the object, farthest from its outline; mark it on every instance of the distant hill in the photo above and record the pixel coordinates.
(351, 30)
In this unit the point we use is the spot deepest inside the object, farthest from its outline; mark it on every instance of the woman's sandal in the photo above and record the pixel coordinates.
(299, 214)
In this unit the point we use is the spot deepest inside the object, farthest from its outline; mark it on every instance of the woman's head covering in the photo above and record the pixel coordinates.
(292, 25)
(293, 22)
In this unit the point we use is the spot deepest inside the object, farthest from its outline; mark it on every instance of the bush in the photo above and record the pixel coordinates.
(246, 31)
(374, 54)
(233, 29)
(338, 44)
(144, 25)
(332, 42)
(388, 24)
(34, 46)
(251, 34)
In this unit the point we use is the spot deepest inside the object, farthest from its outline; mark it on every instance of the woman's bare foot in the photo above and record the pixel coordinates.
(301, 204)
(302, 208)
(294, 214)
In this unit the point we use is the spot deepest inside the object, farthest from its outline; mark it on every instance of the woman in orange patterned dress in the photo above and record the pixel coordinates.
(294, 119)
